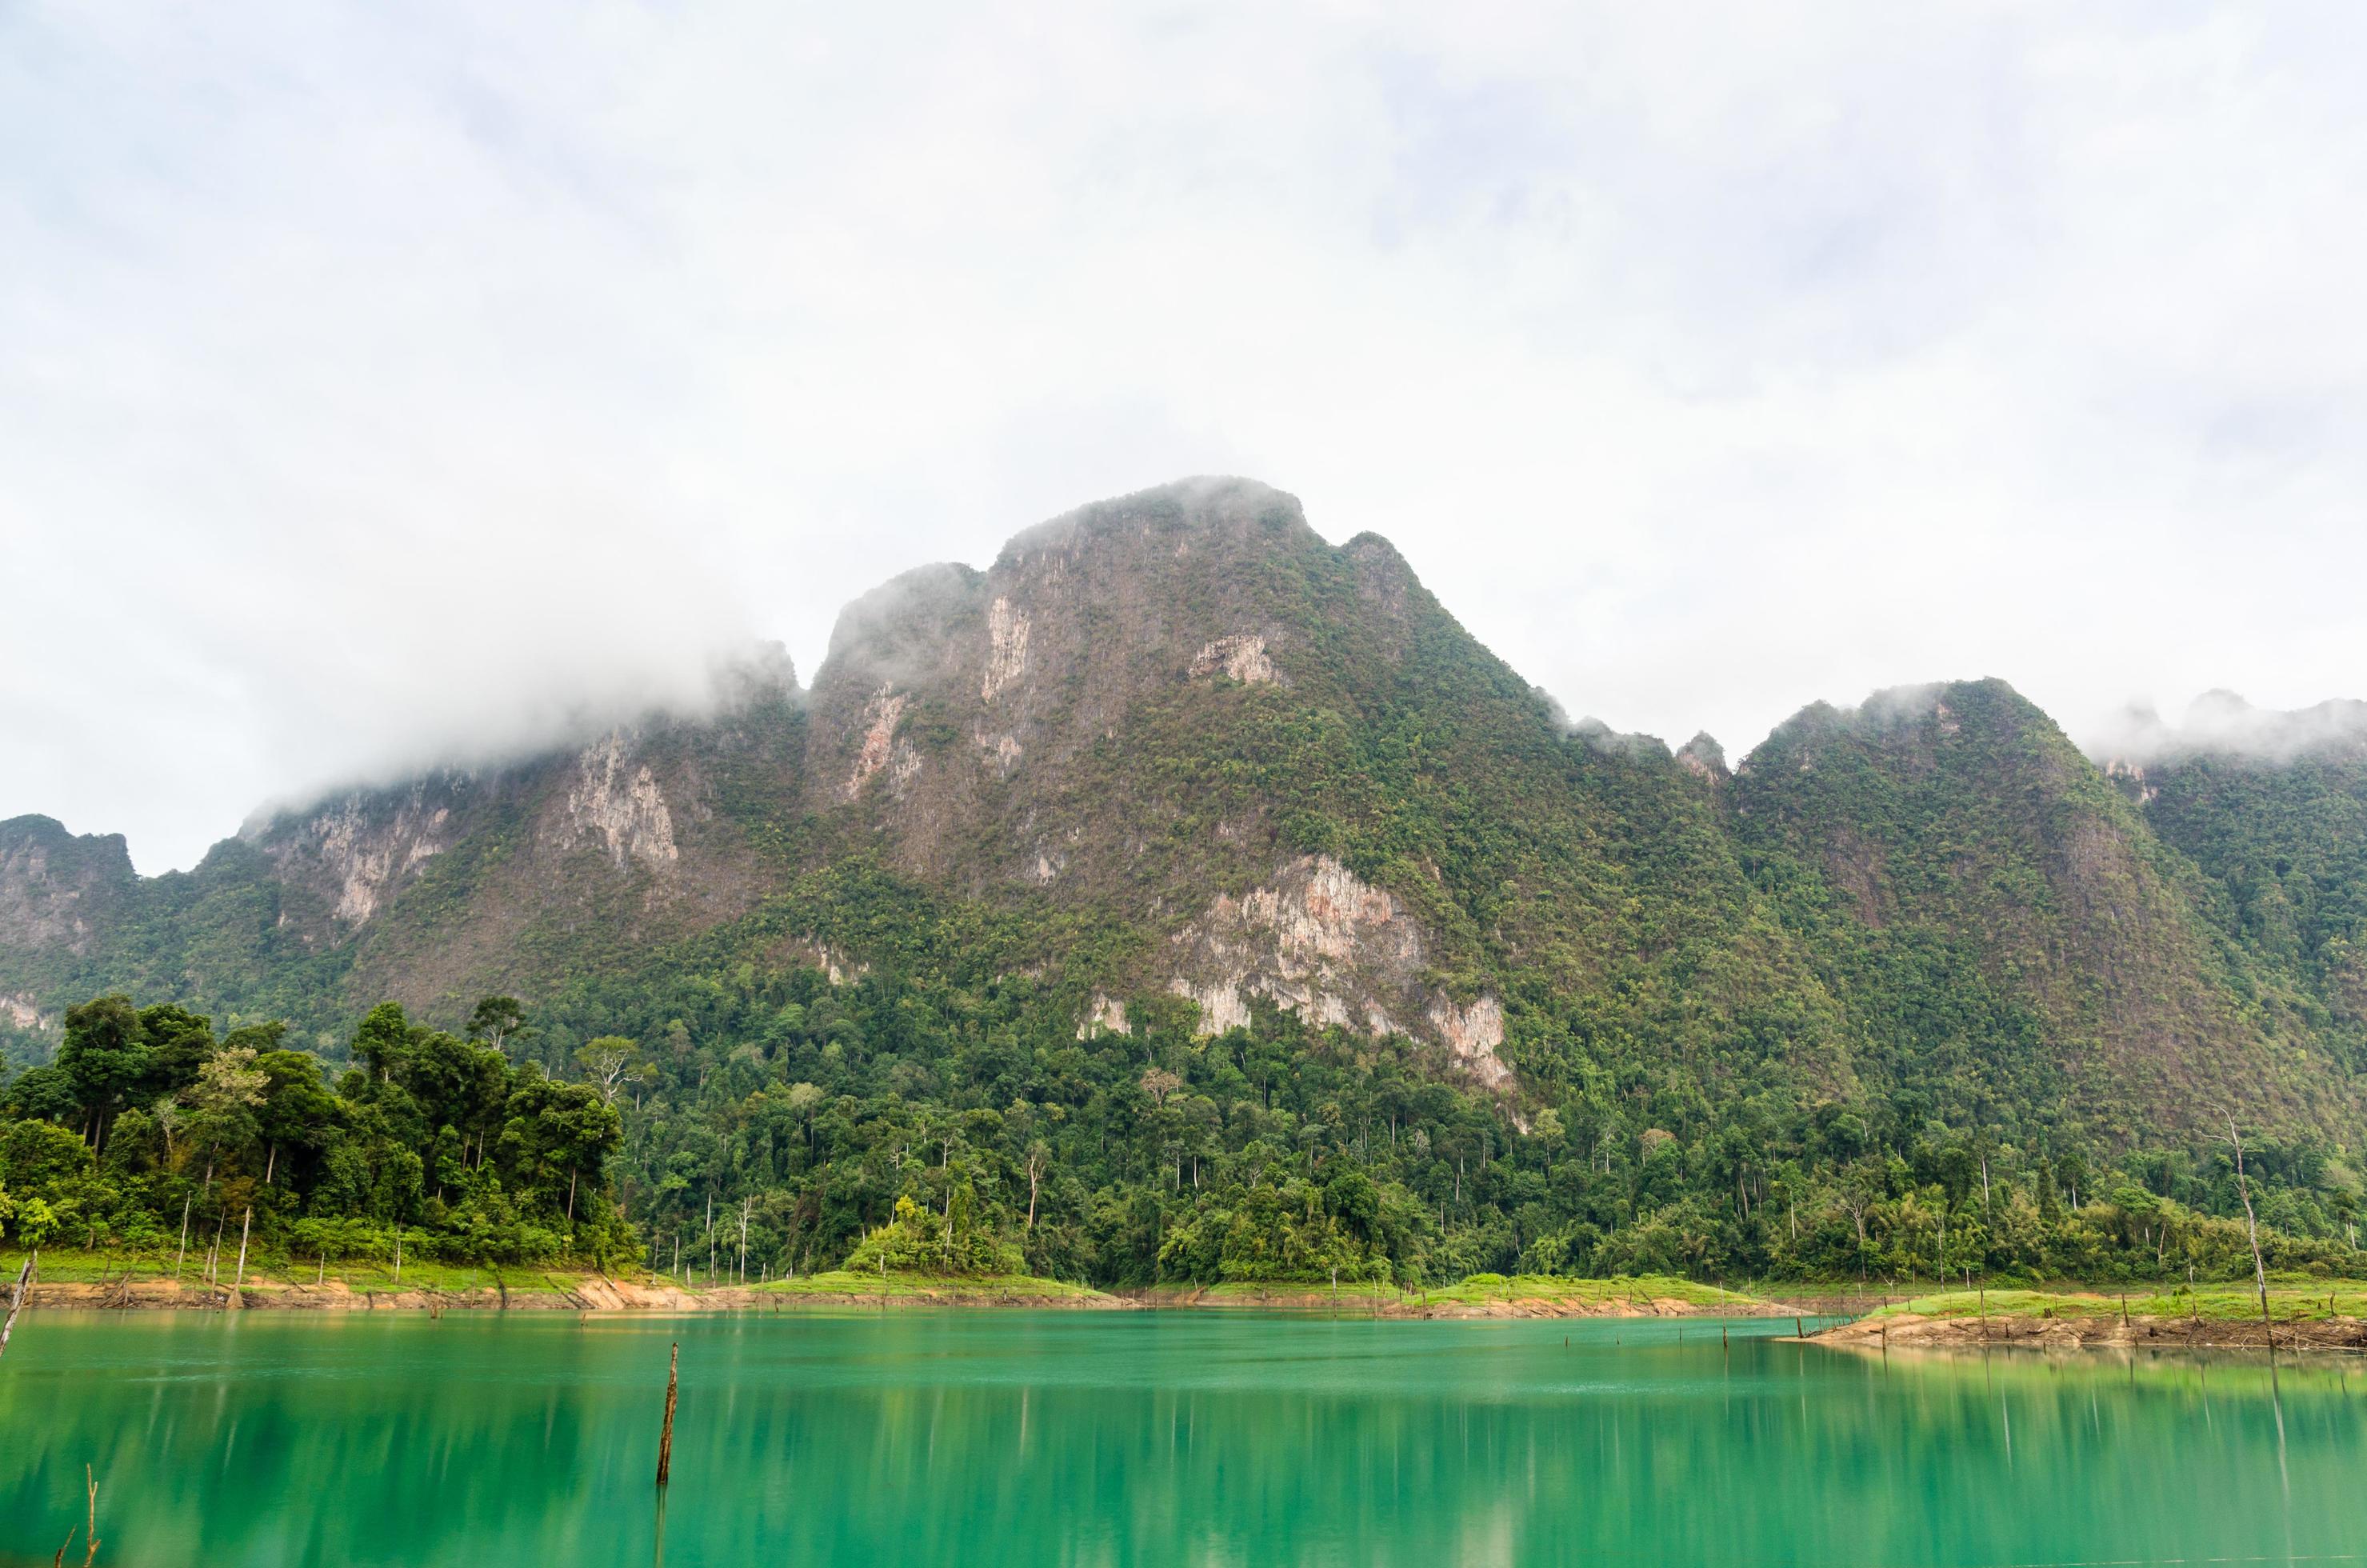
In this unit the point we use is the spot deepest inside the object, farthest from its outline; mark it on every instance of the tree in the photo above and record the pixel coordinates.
(498, 1018)
(222, 1102)
(103, 1056)
(1038, 1161)
(1548, 1131)
(608, 1063)
(382, 1041)
(1158, 1083)
(557, 1138)
(178, 1042)
(2251, 1230)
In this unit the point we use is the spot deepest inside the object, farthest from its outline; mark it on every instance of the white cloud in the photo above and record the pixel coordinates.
(372, 385)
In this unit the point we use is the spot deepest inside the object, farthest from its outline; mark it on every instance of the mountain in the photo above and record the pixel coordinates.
(2273, 809)
(1980, 891)
(1173, 762)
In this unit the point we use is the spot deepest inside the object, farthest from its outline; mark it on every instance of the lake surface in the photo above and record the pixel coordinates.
(1145, 1438)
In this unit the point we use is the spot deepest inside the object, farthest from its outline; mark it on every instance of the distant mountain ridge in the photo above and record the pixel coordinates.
(1174, 754)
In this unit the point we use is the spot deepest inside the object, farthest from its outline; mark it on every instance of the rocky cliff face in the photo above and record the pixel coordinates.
(432, 892)
(58, 891)
(994, 730)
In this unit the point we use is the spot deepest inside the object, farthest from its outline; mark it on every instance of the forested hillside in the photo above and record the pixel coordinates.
(1185, 898)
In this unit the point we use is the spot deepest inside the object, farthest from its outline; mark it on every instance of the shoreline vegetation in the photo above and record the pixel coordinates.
(2307, 1313)
(106, 1281)
(2302, 1315)
(495, 1154)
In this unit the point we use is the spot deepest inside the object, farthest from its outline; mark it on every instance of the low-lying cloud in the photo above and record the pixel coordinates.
(379, 387)
(2222, 723)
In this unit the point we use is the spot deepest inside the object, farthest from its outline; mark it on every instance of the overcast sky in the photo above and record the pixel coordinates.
(377, 383)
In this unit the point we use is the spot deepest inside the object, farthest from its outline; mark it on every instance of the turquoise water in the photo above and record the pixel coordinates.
(1145, 1438)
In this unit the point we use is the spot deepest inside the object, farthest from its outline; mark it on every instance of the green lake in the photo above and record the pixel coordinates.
(1147, 1438)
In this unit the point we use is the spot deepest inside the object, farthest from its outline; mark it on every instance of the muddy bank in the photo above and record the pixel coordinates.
(1912, 1331)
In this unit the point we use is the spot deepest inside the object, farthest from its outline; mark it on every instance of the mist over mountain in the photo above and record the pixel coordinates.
(1175, 757)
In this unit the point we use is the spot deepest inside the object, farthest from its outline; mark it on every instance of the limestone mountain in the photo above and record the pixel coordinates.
(1175, 763)
(2273, 808)
(1975, 885)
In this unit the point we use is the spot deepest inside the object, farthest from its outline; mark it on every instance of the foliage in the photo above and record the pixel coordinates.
(441, 1143)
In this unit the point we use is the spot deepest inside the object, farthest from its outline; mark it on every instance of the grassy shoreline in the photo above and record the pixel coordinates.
(2302, 1313)
(2305, 1312)
(69, 1277)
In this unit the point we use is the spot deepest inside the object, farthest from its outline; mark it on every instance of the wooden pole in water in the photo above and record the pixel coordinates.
(17, 1301)
(665, 1438)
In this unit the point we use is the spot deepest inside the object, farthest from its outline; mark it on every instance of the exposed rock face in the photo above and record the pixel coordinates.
(880, 717)
(616, 797)
(1241, 658)
(17, 1009)
(1103, 1014)
(1321, 942)
(357, 851)
(57, 889)
(1704, 759)
(1473, 1033)
(2129, 777)
(1035, 669)
(1006, 653)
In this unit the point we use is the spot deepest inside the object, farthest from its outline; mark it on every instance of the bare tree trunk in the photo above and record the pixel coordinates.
(181, 1257)
(665, 1438)
(245, 1226)
(90, 1533)
(2253, 1232)
(271, 1165)
(17, 1301)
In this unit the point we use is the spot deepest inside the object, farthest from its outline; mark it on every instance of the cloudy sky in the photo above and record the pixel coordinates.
(382, 383)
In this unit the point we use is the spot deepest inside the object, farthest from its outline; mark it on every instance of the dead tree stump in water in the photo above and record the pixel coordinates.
(17, 1301)
(665, 1438)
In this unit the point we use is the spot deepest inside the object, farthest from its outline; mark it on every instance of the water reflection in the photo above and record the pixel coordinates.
(1147, 1438)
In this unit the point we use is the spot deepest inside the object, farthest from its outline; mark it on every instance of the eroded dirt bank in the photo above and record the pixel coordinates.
(1912, 1331)
(591, 1294)
(594, 1294)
